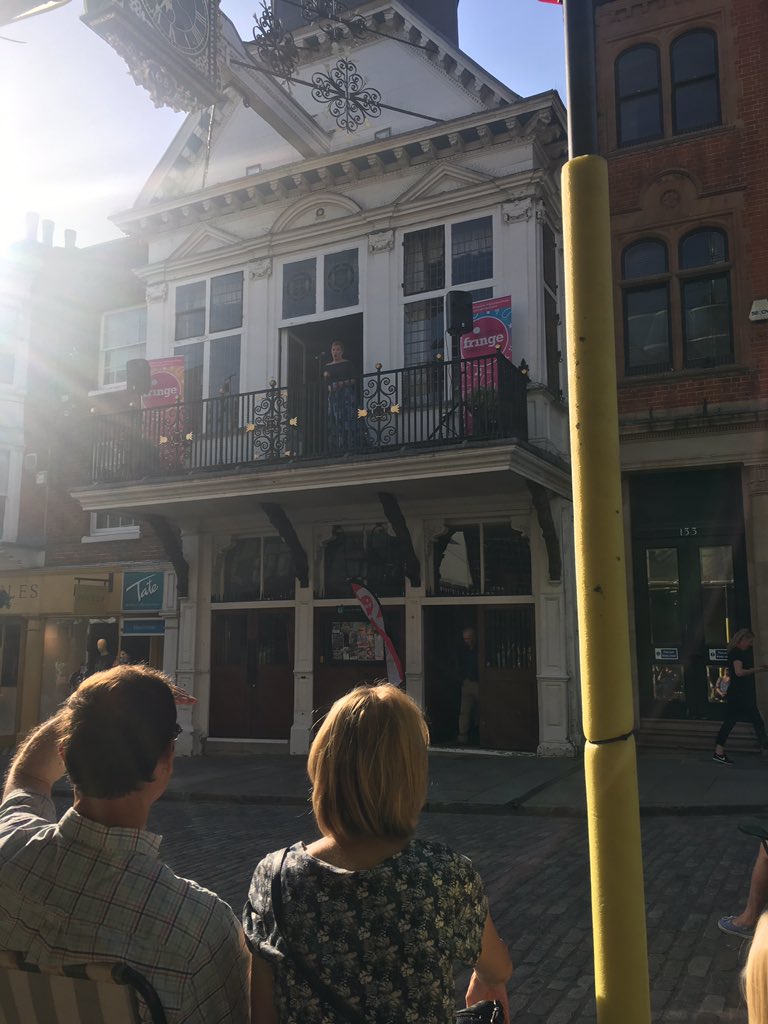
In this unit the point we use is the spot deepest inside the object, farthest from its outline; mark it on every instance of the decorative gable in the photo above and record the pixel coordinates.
(439, 180)
(202, 241)
(315, 209)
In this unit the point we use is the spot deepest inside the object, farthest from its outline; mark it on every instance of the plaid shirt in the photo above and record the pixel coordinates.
(73, 891)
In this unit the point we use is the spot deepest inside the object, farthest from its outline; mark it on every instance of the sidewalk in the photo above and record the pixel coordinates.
(466, 783)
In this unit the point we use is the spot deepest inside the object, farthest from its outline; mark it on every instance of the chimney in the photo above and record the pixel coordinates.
(33, 220)
(70, 238)
(48, 228)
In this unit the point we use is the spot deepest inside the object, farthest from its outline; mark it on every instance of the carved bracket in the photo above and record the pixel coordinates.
(549, 533)
(397, 521)
(168, 536)
(280, 521)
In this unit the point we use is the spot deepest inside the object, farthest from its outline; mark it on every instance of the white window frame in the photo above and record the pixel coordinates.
(12, 341)
(321, 314)
(118, 385)
(99, 534)
(469, 286)
(178, 344)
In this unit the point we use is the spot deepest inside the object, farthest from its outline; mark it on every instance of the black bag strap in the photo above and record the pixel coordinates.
(313, 979)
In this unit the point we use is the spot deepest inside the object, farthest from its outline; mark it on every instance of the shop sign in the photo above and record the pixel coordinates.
(143, 591)
(92, 599)
(18, 595)
(143, 627)
(718, 654)
(666, 654)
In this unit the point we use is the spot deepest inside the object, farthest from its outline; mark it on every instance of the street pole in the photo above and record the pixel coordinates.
(610, 764)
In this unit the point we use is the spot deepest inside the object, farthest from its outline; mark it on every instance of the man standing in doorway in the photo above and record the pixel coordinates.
(470, 684)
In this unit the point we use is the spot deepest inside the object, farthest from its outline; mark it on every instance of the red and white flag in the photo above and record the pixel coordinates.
(552, 2)
(372, 608)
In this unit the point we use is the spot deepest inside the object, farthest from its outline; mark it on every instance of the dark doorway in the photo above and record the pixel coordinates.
(691, 592)
(507, 715)
(252, 674)
(306, 352)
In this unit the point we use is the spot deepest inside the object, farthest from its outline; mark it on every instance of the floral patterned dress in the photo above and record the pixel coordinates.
(385, 939)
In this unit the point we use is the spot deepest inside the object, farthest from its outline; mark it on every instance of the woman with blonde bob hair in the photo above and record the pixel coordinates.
(755, 978)
(368, 922)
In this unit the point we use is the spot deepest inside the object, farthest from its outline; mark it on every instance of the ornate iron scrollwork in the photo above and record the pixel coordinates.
(274, 43)
(269, 426)
(380, 400)
(343, 90)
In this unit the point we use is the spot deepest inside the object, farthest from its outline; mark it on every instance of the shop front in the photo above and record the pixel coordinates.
(691, 589)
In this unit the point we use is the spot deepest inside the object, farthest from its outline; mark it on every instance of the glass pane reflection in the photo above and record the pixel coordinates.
(663, 578)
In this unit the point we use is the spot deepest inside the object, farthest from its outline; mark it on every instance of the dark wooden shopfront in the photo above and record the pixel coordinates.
(252, 674)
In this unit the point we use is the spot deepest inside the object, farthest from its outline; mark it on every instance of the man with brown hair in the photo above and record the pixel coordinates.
(91, 886)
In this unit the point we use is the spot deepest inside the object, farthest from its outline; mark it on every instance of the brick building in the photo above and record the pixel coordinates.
(683, 107)
(66, 576)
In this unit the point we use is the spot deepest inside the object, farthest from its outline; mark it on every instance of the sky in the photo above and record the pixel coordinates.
(78, 139)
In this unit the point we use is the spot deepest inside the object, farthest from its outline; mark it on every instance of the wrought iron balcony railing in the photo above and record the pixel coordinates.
(423, 406)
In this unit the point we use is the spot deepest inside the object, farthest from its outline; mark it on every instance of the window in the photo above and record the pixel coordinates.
(483, 558)
(705, 298)
(9, 342)
(190, 310)
(258, 569)
(226, 306)
(695, 84)
(651, 344)
(646, 307)
(372, 554)
(226, 303)
(336, 286)
(424, 255)
(472, 251)
(211, 368)
(106, 525)
(123, 337)
(638, 95)
(424, 271)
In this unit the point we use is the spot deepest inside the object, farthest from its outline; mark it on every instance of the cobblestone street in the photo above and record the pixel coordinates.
(536, 873)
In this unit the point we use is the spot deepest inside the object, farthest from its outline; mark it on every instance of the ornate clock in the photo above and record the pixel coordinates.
(170, 46)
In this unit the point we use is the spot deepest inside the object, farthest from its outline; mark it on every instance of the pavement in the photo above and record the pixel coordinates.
(462, 782)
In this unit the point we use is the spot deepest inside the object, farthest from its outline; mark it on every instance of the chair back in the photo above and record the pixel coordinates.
(91, 993)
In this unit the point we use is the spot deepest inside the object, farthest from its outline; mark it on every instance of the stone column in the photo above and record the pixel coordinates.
(552, 675)
(303, 655)
(414, 621)
(193, 661)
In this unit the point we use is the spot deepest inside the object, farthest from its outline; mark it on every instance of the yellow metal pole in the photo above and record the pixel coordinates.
(618, 906)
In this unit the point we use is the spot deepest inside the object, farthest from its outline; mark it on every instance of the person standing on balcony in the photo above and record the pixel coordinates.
(470, 684)
(342, 400)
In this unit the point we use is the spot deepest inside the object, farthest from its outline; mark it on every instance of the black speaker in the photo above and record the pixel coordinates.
(459, 312)
(138, 376)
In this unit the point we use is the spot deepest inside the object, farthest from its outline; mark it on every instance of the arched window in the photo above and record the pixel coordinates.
(705, 297)
(645, 273)
(695, 81)
(638, 95)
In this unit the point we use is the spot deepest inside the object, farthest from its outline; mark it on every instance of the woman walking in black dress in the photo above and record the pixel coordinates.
(740, 698)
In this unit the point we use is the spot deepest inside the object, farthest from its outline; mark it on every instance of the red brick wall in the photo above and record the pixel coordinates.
(728, 164)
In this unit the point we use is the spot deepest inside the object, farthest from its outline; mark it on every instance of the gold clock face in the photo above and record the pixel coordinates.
(185, 23)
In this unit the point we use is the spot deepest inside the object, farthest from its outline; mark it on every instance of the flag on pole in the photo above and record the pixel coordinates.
(560, 2)
(372, 608)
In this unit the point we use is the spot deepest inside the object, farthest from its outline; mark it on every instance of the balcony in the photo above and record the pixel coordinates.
(386, 412)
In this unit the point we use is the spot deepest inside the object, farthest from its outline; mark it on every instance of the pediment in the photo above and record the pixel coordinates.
(439, 180)
(202, 241)
(314, 210)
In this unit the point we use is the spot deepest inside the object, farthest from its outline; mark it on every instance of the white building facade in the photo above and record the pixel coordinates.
(446, 486)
